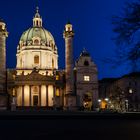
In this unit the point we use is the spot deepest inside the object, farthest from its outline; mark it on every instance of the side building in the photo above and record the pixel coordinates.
(86, 81)
(123, 93)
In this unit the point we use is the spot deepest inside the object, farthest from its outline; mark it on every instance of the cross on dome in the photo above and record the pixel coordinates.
(37, 9)
(37, 15)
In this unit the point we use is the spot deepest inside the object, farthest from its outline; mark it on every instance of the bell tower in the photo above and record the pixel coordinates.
(68, 34)
(3, 36)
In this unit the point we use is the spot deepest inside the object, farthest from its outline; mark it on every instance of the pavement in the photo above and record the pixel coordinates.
(52, 114)
(49, 125)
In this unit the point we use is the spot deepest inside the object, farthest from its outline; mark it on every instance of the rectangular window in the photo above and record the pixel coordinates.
(86, 78)
(36, 59)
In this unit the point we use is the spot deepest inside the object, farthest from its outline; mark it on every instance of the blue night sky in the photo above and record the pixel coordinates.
(91, 21)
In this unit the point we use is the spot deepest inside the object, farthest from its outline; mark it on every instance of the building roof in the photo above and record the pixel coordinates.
(133, 74)
(108, 80)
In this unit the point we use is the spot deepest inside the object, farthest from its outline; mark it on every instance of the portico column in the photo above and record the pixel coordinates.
(15, 91)
(30, 100)
(54, 92)
(22, 95)
(61, 97)
(39, 95)
(46, 95)
(62, 94)
(16, 94)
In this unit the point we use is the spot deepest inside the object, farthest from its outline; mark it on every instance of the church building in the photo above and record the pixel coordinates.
(37, 82)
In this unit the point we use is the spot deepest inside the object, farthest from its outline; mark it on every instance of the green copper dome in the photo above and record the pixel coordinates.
(37, 32)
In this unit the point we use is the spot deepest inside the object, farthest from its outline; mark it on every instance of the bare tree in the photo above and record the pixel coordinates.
(126, 27)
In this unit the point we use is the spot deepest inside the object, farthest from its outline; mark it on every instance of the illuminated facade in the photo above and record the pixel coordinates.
(37, 81)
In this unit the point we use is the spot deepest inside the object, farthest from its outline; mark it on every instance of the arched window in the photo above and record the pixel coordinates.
(36, 42)
(37, 22)
(86, 63)
(36, 59)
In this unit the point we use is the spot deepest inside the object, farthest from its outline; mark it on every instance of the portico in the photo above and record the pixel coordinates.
(38, 90)
(35, 95)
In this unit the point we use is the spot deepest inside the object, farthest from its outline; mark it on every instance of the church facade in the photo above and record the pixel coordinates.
(37, 82)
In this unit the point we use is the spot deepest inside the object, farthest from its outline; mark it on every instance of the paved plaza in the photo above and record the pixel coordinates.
(69, 125)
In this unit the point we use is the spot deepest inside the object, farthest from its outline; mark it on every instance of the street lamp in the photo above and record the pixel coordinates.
(106, 99)
(99, 101)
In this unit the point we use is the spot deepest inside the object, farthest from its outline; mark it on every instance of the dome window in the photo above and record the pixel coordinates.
(36, 42)
(36, 59)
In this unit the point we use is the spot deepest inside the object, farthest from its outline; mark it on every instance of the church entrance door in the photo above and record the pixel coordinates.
(87, 101)
(35, 100)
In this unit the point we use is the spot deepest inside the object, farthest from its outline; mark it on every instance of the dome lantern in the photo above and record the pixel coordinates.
(37, 20)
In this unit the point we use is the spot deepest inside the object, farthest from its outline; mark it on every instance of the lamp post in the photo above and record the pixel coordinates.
(126, 104)
(99, 101)
(106, 99)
